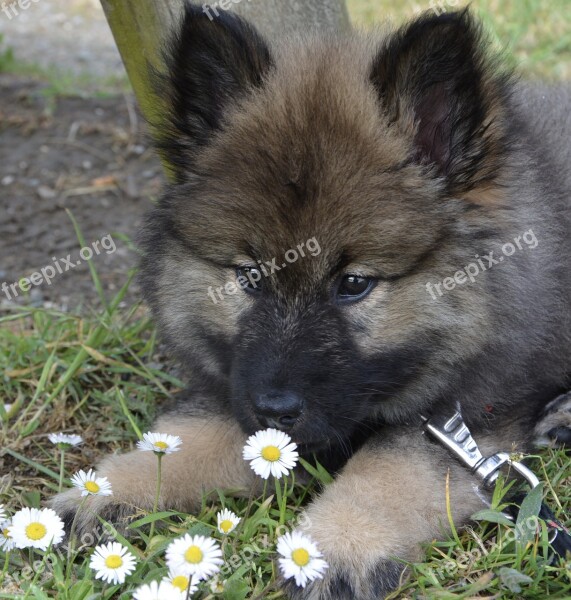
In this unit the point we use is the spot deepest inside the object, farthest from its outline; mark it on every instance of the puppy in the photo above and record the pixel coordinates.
(360, 230)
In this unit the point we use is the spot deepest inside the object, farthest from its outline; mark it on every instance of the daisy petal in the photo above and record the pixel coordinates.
(270, 452)
(194, 556)
(159, 443)
(112, 562)
(300, 558)
(35, 528)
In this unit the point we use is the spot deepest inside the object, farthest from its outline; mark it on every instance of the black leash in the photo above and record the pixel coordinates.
(454, 434)
(558, 535)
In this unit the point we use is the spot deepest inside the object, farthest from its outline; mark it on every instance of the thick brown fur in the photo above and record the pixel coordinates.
(405, 157)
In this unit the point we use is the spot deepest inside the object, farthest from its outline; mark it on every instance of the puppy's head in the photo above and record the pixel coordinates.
(319, 186)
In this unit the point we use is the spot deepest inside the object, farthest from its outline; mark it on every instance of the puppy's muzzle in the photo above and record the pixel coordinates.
(278, 409)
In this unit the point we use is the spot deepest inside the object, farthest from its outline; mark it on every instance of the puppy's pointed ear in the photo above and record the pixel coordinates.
(212, 61)
(436, 83)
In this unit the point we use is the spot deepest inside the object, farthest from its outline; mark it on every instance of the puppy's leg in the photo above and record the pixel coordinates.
(389, 498)
(209, 457)
(554, 428)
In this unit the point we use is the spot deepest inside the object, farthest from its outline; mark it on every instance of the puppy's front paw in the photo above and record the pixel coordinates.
(186, 475)
(344, 583)
(387, 501)
(358, 544)
(554, 427)
(87, 512)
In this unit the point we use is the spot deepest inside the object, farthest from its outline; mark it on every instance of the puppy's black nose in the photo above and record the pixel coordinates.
(278, 409)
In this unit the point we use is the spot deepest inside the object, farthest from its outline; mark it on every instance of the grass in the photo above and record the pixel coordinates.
(61, 82)
(6, 57)
(535, 34)
(102, 374)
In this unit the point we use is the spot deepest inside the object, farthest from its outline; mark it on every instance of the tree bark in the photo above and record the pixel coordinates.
(278, 17)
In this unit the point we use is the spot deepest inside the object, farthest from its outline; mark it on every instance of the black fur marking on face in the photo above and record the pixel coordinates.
(343, 390)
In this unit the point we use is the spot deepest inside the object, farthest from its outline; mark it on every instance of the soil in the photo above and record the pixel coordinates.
(88, 155)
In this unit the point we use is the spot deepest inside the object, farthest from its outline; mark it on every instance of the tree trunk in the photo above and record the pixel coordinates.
(276, 17)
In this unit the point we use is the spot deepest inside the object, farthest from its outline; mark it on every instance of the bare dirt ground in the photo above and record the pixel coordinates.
(88, 154)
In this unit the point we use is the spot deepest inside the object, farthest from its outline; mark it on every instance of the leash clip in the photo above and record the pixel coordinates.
(454, 434)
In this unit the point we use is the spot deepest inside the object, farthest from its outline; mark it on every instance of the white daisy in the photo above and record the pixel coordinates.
(227, 521)
(180, 581)
(159, 591)
(160, 443)
(35, 528)
(90, 484)
(301, 558)
(6, 541)
(197, 556)
(216, 586)
(67, 441)
(271, 452)
(2, 513)
(112, 562)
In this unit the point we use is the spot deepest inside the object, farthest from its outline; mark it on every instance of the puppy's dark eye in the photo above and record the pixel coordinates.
(353, 287)
(249, 279)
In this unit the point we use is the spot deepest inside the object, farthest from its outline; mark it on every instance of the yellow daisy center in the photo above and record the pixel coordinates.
(113, 561)
(6, 533)
(161, 445)
(36, 531)
(193, 555)
(92, 487)
(300, 557)
(271, 453)
(226, 525)
(181, 582)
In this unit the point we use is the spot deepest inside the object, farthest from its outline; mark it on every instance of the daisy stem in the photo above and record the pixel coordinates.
(71, 542)
(265, 591)
(38, 571)
(265, 490)
(281, 498)
(61, 468)
(283, 506)
(5, 569)
(187, 595)
(292, 481)
(157, 495)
